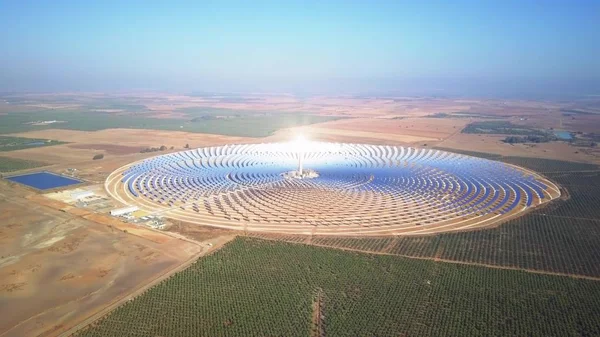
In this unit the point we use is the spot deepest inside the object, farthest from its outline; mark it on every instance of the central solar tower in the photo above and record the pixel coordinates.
(300, 149)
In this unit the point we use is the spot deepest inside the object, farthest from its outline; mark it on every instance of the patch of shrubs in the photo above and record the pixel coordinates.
(529, 139)
(153, 149)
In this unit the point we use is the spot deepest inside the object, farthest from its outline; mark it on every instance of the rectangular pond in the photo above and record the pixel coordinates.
(563, 135)
(43, 180)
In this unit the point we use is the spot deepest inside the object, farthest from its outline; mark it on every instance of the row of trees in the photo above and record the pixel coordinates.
(162, 148)
(154, 149)
(146, 150)
(529, 139)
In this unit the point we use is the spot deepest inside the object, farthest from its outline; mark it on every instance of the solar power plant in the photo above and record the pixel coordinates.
(323, 188)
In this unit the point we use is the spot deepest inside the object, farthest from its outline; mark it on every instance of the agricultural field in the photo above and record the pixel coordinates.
(549, 165)
(263, 288)
(196, 121)
(20, 143)
(14, 164)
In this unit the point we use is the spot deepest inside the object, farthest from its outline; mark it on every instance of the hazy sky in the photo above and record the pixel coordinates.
(294, 44)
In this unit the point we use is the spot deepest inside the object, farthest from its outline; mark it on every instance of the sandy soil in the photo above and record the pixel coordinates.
(341, 135)
(133, 137)
(57, 268)
(584, 123)
(198, 233)
(406, 130)
(438, 128)
(109, 148)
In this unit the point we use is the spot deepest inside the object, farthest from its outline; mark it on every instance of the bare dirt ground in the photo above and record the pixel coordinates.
(198, 233)
(59, 154)
(436, 128)
(214, 244)
(109, 148)
(135, 137)
(57, 267)
(317, 315)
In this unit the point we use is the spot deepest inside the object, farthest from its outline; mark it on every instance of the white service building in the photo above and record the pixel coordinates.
(124, 210)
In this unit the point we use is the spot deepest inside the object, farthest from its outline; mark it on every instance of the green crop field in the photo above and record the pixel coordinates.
(243, 124)
(264, 288)
(12, 164)
(19, 143)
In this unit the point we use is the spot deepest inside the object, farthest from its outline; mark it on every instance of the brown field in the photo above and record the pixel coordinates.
(133, 137)
(584, 123)
(379, 130)
(109, 148)
(60, 265)
(437, 128)
(60, 154)
(341, 135)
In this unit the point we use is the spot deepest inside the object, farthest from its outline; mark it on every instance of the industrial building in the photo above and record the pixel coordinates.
(124, 210)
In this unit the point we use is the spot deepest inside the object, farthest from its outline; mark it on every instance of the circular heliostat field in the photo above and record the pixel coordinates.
(330, 188)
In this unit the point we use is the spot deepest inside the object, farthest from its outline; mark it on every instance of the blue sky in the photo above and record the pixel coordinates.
(287, 45)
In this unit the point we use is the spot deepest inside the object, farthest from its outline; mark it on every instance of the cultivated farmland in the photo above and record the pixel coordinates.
(263, 288)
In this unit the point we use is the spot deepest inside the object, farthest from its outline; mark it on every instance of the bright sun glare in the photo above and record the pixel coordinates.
(300, 144)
